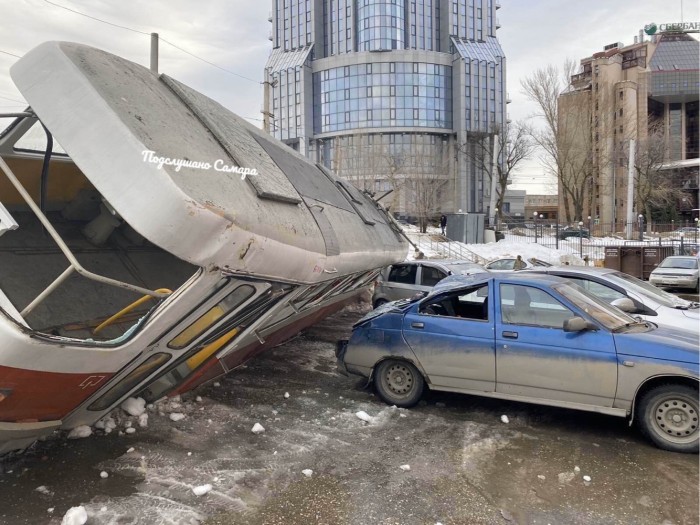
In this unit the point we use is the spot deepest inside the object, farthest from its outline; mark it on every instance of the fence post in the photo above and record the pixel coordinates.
(556, 234)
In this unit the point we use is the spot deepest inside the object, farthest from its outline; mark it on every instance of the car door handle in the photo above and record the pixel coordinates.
(417, 325)
(510, 335)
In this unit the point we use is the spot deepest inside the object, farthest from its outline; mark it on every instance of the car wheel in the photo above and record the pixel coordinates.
(668, 416)
(398, 383)
(380, 302)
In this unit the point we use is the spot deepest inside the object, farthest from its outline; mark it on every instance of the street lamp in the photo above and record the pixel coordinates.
(534, 216)
(590, 226)
(640, 220)
(580, 239)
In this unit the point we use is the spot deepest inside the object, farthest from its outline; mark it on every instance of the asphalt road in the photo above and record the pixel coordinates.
(466, 465)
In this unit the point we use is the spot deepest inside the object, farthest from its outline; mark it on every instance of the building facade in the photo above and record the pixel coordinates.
(646, 92)
(394, 95)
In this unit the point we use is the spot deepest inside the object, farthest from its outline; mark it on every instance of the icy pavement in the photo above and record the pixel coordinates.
(333, 453)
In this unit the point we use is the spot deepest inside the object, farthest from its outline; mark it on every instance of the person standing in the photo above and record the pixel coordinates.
(443, 223)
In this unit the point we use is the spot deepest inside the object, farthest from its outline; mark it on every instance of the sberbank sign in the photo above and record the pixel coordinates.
(653, 28)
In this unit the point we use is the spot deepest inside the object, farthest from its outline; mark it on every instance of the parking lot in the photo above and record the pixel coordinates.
(450, 460)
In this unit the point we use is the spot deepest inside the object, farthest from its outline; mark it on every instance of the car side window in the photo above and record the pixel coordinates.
(431, 276)
(472, 304)
(601, 291)
(403, 273)
(503, 264)
(526, 305)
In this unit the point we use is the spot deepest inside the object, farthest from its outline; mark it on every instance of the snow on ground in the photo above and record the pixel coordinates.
(511, 246)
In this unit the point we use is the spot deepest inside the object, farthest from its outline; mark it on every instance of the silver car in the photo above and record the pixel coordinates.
(678, 271)
(406, 279)
(632, 295)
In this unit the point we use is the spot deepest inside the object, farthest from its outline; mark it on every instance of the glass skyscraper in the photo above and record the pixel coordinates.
(389, 93)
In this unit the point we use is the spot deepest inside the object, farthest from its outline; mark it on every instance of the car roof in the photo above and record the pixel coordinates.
(587, 270)
(455, 282)
(438, 262)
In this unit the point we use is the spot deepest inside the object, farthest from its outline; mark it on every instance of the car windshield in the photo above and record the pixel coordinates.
(465, 268)
(685, 263)
(649, 291)
(607, 315)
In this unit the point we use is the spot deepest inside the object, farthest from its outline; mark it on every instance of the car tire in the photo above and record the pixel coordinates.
(398, 383)
(379, 302)
(668, 416)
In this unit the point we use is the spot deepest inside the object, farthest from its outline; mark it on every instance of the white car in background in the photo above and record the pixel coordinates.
(677, 271)
(632, 295)
(506, 264)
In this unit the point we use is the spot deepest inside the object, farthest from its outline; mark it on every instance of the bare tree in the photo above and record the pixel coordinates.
(564, 135)
(655, 188)
(514, 145)
(371, 166)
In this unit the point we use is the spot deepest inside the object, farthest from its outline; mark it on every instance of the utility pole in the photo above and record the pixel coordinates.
(494, 174)
(267, 115)
(154, 53)
(630, 191)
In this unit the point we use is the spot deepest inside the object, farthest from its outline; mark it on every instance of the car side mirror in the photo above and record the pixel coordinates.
(577, 324)
(625, 304)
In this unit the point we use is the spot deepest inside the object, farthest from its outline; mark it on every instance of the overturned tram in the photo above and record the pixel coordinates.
(151, 240)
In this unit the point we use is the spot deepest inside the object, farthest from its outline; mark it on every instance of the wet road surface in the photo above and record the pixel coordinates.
(466, 465)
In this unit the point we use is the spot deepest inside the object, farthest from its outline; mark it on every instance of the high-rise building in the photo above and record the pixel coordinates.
(646, 92)
(390, 94)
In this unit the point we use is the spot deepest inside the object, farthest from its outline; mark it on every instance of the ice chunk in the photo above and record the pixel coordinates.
(130, 430)
(143, 420)
(307, 472)
(104, 475)
(540, 476)
(405, 468)
(364, 416)
(587, 478)
(44, 490)
(202, 489)
(565, 477)
(257, 428)
(504, 418)
(217, 384)
(82, 431)
(577, 469)
(177, 416)
(134, 406)
(75, 516)
(198, 399)
(130, 450)
(286, 395)
(50, 510)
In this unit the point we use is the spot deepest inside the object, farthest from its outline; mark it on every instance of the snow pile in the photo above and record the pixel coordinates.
(364, 416)
(82, 431)
(75, 516)
(202, 489)
(134, 406)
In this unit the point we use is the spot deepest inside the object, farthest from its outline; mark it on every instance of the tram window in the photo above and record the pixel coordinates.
(130, 381)
(227, 304)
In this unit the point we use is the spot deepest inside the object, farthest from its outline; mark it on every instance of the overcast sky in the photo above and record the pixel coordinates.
(233, 34)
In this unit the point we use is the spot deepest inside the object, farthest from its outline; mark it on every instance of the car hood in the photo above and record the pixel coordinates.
(394, 306)
(674, 271)
(671, 344)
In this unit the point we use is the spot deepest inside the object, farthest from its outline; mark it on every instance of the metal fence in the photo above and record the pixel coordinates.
(588, 243)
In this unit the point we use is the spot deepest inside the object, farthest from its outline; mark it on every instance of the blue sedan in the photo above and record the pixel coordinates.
(533, 338)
